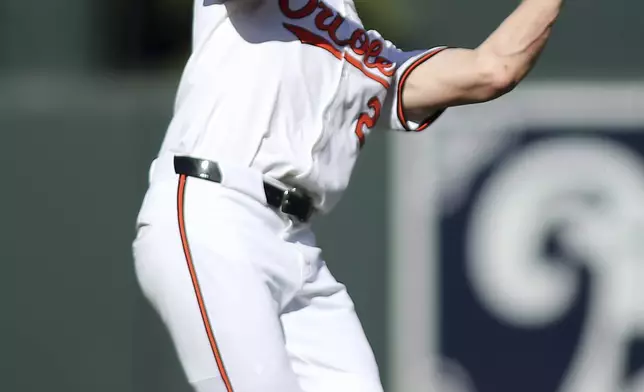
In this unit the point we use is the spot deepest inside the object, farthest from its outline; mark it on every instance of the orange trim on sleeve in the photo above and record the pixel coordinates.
(401, 83)
(195, 283)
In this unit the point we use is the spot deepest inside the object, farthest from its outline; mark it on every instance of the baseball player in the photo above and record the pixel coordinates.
(275, 105)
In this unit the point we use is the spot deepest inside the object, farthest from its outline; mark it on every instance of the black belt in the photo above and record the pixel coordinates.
(290, 201)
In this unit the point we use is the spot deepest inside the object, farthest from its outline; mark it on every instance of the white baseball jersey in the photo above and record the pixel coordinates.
(289, 87)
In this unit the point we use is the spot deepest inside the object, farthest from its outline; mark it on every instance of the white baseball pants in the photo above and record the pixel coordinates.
(248, 301)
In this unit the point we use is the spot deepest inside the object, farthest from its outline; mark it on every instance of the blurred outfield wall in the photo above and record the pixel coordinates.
(77, 137)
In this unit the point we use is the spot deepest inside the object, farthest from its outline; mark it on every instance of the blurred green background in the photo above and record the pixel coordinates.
(86, 91)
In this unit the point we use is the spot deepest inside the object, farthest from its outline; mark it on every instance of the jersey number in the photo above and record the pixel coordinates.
(367, 119)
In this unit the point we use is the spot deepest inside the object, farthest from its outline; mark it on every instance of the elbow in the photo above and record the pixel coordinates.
(503, 80)
(497, 77)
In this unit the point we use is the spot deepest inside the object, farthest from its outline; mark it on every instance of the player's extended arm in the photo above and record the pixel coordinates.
(462, 76)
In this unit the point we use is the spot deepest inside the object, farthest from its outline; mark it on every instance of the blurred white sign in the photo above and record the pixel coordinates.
(527, 216)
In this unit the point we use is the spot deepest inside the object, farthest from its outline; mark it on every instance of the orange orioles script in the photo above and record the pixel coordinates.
(327, 20)
(367, 51)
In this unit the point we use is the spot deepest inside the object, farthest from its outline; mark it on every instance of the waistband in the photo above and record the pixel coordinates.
(242, 179)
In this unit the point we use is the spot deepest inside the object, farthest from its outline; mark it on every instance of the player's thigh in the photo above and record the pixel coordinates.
(326, 342)
(245, 351)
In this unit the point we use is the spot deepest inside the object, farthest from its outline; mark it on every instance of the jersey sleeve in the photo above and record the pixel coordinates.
(393, 109)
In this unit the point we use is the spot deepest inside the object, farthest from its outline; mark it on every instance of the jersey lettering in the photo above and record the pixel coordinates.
(308, 9)
(367, 119)
(366, 53)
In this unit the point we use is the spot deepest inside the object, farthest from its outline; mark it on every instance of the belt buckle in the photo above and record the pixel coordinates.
(296, 203)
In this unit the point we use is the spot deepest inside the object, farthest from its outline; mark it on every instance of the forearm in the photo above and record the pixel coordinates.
(520, 39)
(464, 76)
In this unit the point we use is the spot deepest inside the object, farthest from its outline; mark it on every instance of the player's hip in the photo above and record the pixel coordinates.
(240, 204)
(180, 211)
(208, 206)
(217, 231)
